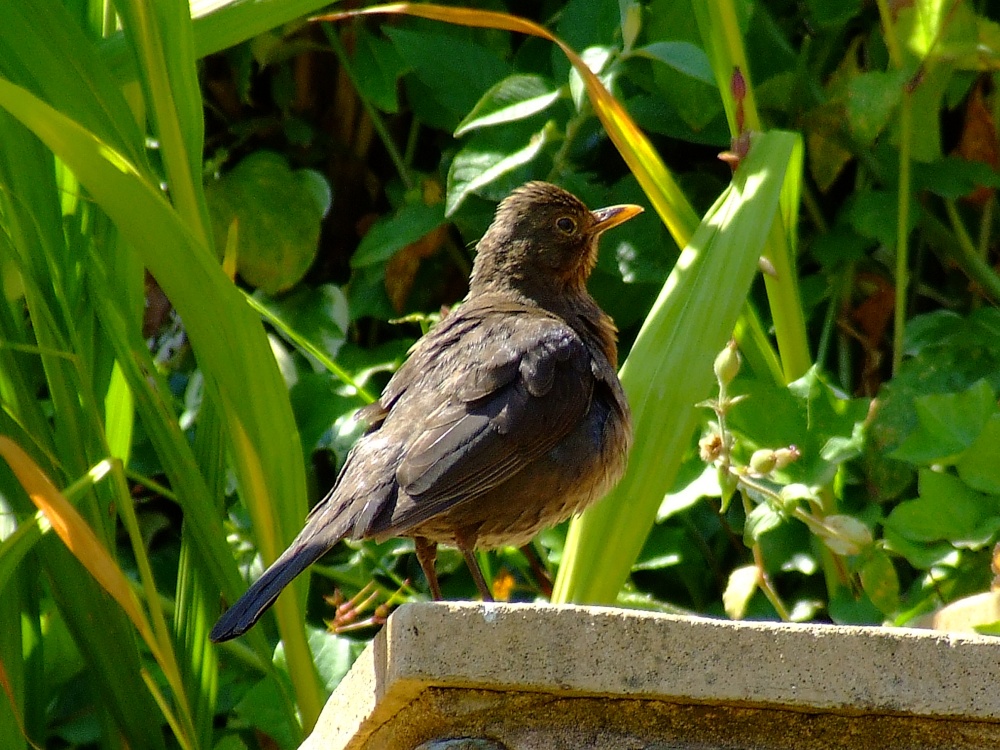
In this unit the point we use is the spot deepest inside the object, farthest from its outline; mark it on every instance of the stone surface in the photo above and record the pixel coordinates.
(527, 677)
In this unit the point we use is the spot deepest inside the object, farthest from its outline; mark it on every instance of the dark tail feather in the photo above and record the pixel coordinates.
(311, 544)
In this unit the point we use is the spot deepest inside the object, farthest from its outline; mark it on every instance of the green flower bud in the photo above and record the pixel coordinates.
(763, 461)
(727, 364)
(785, 456)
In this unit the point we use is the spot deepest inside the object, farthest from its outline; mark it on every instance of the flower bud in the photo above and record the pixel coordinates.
(785, 456)
(763, 461)
(727, 364)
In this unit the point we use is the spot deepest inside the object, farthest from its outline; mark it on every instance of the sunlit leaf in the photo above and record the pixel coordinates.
(514, 98)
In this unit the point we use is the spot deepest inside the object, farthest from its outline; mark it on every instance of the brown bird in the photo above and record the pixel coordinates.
(508, 417)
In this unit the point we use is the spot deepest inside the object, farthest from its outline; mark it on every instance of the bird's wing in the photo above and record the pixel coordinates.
(519, 394)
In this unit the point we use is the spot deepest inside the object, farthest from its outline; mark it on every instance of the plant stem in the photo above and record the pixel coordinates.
(889, 33)
(376, 118)
(902, 229)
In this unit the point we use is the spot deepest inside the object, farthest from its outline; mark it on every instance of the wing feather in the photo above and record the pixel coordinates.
(501, 416)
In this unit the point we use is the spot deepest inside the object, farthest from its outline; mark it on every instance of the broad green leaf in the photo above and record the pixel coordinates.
(705, 484)
(832, 13)
(845, 535)
(277, 213)
(455, 72)
(663, 549)
(683, 57)
(761, 520)
(317, 315)
(948, 424)
(979, 465)
(514, 98)
(473, 168)
(880, 581)
(874, 214)
(922, 555)
(931, 329)
(697, 103)
(392, 233)
(871, 100)
(946, 509)
(953, 177)
(382, 68)
(333, 654)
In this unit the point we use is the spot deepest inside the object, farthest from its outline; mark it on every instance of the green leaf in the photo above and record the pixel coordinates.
(333, 655)
(874, 214)
(663, 549)
(953, 177)
(278, 213)
(948, 424)
(946, 509)
(845, 535)
(920, 555)
(683, 57)
(832, 13)
(706, 484)
(480, 163)
(808, 413)
(261, 708)
(740, 588)
(880, 581)
(931, 329)
(694, 102)
(381, 66)
(871, 100)
(454, 71)
(514, 98)
(761, 520)
(318, 315)
(391, 234)
(979, 465)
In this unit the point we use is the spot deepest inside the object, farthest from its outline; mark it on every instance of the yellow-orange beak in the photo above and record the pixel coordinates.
(612, 216)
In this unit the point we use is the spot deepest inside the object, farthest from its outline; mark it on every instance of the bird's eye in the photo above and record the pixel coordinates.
(566, 224)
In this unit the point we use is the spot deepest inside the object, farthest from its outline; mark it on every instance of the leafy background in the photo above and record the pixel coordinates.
(165, 428)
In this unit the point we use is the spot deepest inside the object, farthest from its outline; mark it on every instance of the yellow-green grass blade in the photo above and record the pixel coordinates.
(217, 25)
(669, 368)
(720, 32)
(234, 357)
(32, 219)
(173, 95)
(43, 48)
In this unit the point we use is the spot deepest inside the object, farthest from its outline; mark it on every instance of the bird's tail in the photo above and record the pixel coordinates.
(312, 543)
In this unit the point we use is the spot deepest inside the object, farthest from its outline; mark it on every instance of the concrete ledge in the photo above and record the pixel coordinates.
(529, 677)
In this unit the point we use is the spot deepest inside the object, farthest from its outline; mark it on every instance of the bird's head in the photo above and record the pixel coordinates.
(543, 240)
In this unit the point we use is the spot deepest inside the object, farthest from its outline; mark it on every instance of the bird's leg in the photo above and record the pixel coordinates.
(426, 555)
(470, 559)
